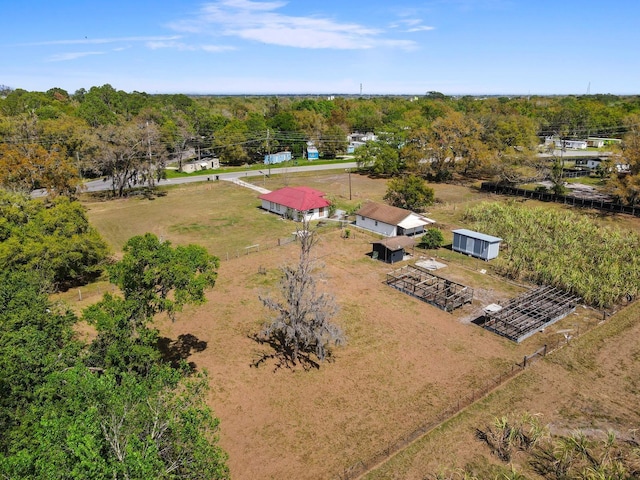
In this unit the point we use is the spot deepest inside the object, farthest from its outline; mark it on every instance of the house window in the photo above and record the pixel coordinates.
(277, 207)
(362, 218)
(376, 223)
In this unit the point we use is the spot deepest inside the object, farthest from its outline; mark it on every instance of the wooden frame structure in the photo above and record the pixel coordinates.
(424, 285)
(530, 312)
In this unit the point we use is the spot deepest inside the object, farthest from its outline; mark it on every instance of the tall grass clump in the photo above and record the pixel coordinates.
(563, 249)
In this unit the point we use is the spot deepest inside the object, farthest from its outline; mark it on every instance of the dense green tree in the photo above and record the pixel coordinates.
(36, 339)
(415, 151)
(379, 157)
(101, 425)
(157, 277)
(410, 192)
(456, 144)
(364, 117)
(229, 143)
(56, 242)
(333, 142)
(127, 415)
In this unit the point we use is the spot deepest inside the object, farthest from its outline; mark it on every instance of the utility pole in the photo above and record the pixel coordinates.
(268, 153)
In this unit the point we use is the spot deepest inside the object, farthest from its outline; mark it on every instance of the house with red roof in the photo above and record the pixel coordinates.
(296, 203)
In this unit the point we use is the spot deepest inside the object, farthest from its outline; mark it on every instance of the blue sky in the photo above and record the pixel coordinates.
(323, 46)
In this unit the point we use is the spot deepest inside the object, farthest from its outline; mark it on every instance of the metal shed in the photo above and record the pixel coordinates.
(476, 244)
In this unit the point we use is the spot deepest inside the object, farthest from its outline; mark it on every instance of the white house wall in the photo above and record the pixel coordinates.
(315, 214)
(376, 226)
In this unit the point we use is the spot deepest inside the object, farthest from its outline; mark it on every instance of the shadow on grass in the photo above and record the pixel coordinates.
(283, 355)
(176, 351)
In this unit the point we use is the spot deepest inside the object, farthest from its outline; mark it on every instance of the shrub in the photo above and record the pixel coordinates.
(433, 238)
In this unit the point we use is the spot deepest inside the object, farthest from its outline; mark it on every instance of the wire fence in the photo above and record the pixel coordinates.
(325, 227)
(598, 204)
(364, 466)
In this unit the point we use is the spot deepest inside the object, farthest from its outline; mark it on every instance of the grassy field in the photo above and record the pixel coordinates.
(590, 385)
(404, 362)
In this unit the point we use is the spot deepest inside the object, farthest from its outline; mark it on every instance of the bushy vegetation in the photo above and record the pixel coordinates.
(113, 408)
(552, 457)
(432, 238)
(564, 249)
(54, 241)
(410, 192)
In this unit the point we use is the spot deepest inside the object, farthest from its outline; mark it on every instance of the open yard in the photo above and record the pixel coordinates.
(404, 362)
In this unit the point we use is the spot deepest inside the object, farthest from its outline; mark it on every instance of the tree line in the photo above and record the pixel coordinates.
(52, 139)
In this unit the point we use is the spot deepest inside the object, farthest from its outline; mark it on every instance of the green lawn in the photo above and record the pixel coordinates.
(300, 162)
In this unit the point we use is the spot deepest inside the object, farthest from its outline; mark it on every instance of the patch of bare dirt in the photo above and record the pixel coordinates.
(404, 362)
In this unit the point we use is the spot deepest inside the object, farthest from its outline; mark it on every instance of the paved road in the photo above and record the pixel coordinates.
(101, 185)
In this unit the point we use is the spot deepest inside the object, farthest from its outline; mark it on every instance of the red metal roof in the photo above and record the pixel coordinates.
(301, 199)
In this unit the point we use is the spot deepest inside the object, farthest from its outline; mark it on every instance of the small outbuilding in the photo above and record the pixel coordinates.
(277, 158)
(392, 249)
(204, 164)
(476, 244)
(312, 153)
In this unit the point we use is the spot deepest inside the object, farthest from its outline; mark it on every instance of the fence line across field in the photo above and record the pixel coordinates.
(597, 204)
(364, 466)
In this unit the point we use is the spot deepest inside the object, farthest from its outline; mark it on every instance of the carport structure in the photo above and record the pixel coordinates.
(530, 312)
(424, 285)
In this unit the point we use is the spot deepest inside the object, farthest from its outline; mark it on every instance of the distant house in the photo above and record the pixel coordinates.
(351, 148)
(277, 158)
(591, 163)
(599, 142)
(594, 163)
(570, 144)
(390, 221)
(475, 244)
(392, 249)
(362, 137)
(204, 164)
(312, 153)
(357, 139)
(297, 203)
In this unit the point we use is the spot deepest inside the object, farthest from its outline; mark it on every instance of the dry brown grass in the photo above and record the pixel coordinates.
(404, 362)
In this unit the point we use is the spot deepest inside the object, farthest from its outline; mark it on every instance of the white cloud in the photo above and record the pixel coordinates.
(421, 28)
(187, 47)
(62, 57)
(411, 25)
(261, 22)
(99, 41)
(217, 48)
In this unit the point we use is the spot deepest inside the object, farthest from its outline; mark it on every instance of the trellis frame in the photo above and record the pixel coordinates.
(419, 282)
(530, 312)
